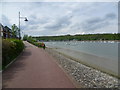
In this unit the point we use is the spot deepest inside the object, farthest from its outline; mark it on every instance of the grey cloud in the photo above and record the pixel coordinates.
(33, 20)
(59, 23)
(93, 26)
(97, 23)
(111, 16)
(33, 16)
(5, 21)
(34, 27)
(94, 20)
(31, 27)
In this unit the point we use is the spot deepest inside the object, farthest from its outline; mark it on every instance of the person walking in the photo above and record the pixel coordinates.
(43, 45)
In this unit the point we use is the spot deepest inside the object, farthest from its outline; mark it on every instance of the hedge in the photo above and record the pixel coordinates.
(11, 48)
(34, 42)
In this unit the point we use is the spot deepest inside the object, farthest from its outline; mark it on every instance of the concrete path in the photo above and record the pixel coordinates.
(35, 68)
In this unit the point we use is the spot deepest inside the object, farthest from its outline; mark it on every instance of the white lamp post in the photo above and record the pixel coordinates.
(25, 19)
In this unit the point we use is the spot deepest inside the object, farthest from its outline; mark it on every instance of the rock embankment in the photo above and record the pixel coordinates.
(85, 76)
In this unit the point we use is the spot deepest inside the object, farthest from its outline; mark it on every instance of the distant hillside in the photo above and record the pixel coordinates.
(80, 37)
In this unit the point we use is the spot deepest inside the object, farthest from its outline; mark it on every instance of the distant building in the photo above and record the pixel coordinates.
(8, 32)
(5, 32)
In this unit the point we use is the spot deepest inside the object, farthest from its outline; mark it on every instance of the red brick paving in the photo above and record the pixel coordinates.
(35, 68)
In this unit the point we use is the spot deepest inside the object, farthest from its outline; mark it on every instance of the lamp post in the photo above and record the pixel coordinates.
(25, 19)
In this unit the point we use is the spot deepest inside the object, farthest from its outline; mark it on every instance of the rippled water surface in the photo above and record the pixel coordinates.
(104, 54)
(103, 49)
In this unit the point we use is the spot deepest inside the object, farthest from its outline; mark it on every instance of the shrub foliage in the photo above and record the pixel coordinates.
(11, 48)
(33, 41)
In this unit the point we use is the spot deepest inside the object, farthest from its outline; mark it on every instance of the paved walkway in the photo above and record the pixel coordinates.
(35, 68)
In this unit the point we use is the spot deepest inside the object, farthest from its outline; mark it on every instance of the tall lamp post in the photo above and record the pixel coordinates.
(25, 19)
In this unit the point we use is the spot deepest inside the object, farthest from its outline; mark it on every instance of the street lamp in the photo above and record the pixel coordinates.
(25, 19)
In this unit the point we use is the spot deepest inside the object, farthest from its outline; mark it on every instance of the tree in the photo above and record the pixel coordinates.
(25, 37)
(15, 31)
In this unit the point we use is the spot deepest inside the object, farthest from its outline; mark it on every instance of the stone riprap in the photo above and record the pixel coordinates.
(85, 76)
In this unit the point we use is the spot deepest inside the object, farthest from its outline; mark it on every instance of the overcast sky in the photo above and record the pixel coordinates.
(61, 18)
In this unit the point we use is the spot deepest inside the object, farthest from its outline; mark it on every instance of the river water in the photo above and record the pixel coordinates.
(102, 55)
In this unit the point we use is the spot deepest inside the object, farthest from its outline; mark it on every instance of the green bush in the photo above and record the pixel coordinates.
(11, 48)
(34, 42)
(38, 44)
